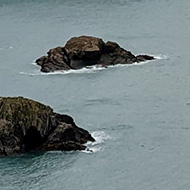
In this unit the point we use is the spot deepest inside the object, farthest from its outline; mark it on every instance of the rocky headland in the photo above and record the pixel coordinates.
(84, 51)
(27, 125)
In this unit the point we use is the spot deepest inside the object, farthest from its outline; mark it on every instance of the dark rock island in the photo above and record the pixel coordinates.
(87, 51)
(27, 125)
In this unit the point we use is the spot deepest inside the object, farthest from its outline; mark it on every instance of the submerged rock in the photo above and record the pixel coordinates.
(86, 51)
(27, 125)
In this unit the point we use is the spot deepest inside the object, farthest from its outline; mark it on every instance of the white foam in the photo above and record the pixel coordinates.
(91, 69)
(34, 73)
(100, 137)
(92, 150)
(160, 57)
(33, 63)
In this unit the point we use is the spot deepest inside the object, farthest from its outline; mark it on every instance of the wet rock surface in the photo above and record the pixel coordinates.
(84, 51)
(27, 125)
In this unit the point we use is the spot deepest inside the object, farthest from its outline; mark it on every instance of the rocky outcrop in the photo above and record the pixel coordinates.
(27, 125)
(86, 51)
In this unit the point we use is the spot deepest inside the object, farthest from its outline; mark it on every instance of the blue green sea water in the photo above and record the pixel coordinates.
(139, 114)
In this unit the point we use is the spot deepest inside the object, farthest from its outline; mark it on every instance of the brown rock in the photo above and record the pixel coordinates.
(113, 54)
(86, 51)
(57, 59)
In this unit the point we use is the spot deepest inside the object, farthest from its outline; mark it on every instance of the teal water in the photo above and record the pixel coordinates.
(138, 114)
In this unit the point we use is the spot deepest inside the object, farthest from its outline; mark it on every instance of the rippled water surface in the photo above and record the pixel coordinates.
(138, 114)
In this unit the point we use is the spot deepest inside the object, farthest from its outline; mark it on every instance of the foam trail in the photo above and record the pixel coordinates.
(34, 63)
(92, 69)
(160, 57)
(35, 73)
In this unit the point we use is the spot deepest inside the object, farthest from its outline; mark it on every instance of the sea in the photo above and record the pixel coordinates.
(139, 114)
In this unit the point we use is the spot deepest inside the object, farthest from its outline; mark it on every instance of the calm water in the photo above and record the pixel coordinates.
(138, 114)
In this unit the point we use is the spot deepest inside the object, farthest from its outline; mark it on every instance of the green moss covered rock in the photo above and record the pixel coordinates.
(27, 125)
